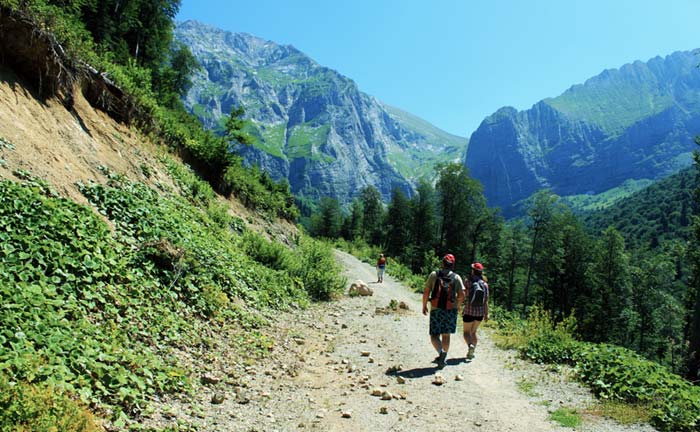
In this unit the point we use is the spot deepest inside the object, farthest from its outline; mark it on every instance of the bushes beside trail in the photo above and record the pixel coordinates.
(96, 313)
(612, 372)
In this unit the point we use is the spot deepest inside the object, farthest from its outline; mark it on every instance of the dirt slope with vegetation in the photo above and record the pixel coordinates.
(41, 138)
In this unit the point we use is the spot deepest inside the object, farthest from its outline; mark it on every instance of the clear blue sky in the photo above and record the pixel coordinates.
(453, 62)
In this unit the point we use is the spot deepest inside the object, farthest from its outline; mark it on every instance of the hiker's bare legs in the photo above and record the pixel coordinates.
(441, 343)
(470, 335)
(446, 342)
(467, 335)
(435, 340)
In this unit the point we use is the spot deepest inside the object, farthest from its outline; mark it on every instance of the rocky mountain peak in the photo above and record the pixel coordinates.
(314, 126)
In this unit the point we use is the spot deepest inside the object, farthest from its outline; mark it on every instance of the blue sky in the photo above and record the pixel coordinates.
(453, 62)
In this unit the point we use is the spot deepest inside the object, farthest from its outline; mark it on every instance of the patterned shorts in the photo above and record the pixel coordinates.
(443, 321)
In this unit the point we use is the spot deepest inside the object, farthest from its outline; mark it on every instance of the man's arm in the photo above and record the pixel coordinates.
(460, 289)
(486, 303)
(426, 295)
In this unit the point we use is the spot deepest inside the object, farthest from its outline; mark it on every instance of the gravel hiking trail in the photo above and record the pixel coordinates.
(358, 365)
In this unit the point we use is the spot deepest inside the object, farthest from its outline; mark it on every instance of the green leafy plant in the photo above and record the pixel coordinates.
(613, 373)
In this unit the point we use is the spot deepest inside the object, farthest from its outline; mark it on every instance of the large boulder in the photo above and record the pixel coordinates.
(359, 287)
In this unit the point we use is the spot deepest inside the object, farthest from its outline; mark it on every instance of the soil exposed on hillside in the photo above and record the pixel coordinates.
(62, 147)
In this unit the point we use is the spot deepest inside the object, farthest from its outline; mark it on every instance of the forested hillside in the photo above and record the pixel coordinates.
(658, 214)
(641, 294)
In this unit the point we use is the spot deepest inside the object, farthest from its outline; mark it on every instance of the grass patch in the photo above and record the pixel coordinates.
(566, 417)
(527, 387)
(622, 413)
(305, 139)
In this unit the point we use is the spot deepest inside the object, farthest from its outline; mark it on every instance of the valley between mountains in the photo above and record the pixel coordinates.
(328, 361)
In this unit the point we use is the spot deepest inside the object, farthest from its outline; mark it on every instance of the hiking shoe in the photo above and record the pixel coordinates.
(441, 360)
(470, 353)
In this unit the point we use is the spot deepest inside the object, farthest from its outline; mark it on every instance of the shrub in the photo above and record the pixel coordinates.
(41, 408)
(319, 270)
(613, 373)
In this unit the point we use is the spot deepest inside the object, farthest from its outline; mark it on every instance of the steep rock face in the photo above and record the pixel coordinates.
(637, 122)
(315, 127)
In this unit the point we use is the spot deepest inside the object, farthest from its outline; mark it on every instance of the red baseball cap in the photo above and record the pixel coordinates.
(449, 258)
(478, 266)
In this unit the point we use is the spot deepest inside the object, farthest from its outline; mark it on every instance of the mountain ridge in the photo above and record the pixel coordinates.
(315, 127)
(635, 122)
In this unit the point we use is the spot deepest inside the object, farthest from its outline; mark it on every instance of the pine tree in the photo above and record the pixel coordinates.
(693, 302)
(424, 227)
(576, 259)
(463, 209)
(327, 222)
(352, 226)
(541, 215)
(513, 246)
(610, 296)
(398, 224)
(373, 218)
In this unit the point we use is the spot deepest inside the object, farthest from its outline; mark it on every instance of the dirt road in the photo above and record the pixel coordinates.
(329, 361)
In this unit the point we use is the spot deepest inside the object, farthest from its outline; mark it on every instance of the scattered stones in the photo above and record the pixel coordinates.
(210, 379)
(400, 380)
(365, 353)
(394, 369)
(459, 377)
(218, 398)
(370, 360)
(346, 414)
(242, 398)
(376, 391)
(439, 380)
(387, 396)
(383, 410)
(404, 306)
(320, 415)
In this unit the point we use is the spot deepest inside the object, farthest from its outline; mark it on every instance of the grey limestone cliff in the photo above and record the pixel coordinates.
(636, 122)
(314, 126)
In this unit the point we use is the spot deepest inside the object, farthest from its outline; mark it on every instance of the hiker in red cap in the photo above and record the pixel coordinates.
(476, 306)
(445, 291)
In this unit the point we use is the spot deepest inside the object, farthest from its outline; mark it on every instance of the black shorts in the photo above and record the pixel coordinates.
(470, 318)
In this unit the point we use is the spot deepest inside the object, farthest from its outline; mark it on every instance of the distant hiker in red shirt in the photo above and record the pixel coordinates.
(381, 266)
(476, 306)
(445, 291)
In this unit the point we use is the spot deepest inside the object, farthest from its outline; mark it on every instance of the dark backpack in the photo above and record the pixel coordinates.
(443, 294)
(477, 294)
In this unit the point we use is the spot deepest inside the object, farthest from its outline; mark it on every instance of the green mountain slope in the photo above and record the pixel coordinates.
(633, 123)
(658, 213)
(417, 159)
